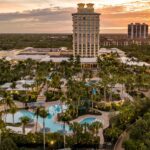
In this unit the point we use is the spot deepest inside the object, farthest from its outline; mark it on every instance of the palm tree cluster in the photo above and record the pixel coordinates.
(86, 134)
(112, 72)
(81, 96)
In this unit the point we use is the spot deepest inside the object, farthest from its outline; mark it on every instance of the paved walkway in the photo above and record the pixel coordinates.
(105, 117)
(118, 145)
(124, 136)
(41, 96)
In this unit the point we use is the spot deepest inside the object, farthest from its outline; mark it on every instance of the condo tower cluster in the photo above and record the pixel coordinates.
(137, 31)
(86, 24)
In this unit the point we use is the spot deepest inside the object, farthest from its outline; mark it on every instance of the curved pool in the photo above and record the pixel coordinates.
(88, 120)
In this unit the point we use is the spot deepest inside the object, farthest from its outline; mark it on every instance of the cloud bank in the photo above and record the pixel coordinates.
(52, 19)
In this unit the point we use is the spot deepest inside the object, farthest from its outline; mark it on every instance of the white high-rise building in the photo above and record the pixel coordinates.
(86, 42)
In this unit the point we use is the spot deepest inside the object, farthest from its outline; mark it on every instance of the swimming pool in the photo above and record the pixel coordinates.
(88, 120)
(49, 121)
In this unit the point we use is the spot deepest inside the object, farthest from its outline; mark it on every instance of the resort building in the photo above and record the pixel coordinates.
(137, 31)
(86, 42)
(86, 62)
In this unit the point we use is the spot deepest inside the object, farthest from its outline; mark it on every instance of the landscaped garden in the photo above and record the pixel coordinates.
(66, 107)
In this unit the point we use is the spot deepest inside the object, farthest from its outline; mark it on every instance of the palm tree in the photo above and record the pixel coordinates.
(26, 86)
(76, 129)
(13, 85)
(55, 82)
(8, 103)
(13, 110)
(63, 99)
(85, 127)
(37, 113)
(24, 120)
(65, 118)
(43, 113)
(25, 100)
(104, 85)
(95, 126)
(93, 96)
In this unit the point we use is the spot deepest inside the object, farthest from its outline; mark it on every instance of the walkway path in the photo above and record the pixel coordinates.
(105, 118)
(124, 136)
(41, 97)
(118, 145)
(125, 95)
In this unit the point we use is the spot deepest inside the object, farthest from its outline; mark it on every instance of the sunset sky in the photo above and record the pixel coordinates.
(54, 16)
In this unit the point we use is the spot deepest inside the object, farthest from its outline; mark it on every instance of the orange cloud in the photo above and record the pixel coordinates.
(116, 18)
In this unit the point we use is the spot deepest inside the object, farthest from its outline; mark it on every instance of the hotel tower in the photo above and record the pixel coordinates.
(86, 31)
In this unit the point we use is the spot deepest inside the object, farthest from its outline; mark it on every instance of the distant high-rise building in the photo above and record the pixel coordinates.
(86, 31)
(137, 31)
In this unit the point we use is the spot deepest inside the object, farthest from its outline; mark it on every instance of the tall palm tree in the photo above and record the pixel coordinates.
(13, 110)
(13, 85)
(25, 100)
(93, 95)
(98, 125)
(37, 113)
(63, 99)
(43, 113)
(8, 103)
(76, 129)
(85, 127)
(95, 126)
(65, 118)
(24, 120)
(104, 84)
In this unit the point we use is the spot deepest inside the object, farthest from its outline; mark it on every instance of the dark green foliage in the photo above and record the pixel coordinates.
(112, 134)
(128, 114)
(8, 144)
(139, 134)
(17, 41)
(51, 96)
(142, 52)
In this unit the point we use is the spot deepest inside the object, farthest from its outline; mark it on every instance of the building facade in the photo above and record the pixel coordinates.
(86, 42)
(137, 31)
